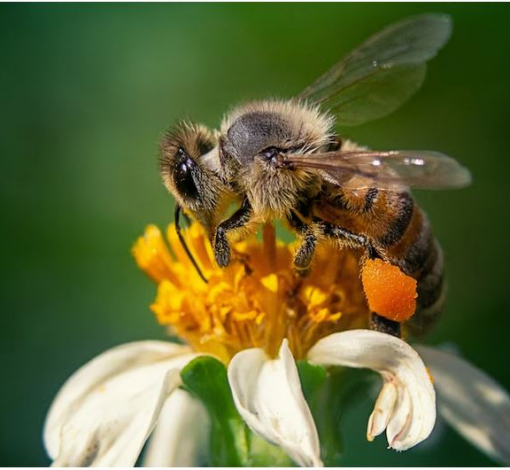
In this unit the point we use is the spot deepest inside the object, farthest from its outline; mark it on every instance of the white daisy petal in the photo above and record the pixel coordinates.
(472, 402)
(383, 409)
(267, 393)
(409, 411)
(181, 435)
(401, 419)
(104, 413)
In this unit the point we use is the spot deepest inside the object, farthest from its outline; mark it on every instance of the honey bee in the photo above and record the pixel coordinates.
(282, 160)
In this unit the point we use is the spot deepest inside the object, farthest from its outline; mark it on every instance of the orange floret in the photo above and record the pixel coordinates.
(390, 293)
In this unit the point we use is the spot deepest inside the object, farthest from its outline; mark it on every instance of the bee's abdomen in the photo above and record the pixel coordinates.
(400, 233)
(431, 292)
(410, 244)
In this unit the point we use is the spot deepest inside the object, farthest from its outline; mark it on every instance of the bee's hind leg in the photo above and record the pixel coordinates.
(237, 220)
(377, 323)
(311, 232)
(383, 325)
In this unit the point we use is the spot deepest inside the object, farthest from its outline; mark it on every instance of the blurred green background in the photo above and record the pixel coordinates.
(85, 93)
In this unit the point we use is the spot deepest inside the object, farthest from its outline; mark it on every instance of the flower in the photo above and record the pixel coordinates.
(259, 317)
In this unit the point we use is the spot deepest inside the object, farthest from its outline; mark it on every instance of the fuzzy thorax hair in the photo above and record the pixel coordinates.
(302, 122)
(252, 133)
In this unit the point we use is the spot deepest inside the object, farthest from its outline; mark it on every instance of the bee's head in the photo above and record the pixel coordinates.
(260, 131)
(187, 169)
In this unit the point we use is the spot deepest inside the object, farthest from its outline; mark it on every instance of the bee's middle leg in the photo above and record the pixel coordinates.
(237, 220)
(305, 252)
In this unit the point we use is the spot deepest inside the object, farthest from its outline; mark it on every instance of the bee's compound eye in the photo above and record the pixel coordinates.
(184, 180)
(182, 171)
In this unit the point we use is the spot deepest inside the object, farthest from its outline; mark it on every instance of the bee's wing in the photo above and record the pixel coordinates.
(381, 74)
(385, 169)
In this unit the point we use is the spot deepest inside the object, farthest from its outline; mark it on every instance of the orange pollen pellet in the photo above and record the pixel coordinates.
(390, 293)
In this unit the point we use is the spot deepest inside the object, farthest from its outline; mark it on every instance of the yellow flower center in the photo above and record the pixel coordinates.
(258, 300)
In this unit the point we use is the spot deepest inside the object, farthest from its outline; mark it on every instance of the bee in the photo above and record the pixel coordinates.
(282, 160)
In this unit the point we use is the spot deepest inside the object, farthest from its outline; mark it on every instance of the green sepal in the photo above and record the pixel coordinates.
(232, 444)
(329, 392)
(311, 377)
(206, 378)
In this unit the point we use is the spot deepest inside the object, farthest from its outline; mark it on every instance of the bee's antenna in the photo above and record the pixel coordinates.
(177, 213)
(187, 219)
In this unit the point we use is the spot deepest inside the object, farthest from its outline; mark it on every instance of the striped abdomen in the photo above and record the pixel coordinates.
(410, 244)
(401, 234)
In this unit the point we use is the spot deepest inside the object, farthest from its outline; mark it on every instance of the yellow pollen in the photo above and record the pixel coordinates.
(258, 300)
(270, 283)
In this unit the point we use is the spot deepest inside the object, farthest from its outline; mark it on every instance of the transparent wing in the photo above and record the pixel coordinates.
(381, 74)
(385, 169)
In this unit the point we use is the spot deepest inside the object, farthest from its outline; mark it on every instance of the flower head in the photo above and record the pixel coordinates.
(258, 316)
(258, 300)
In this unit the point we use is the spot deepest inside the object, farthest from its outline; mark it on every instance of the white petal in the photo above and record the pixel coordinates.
(409, 411)
(181, 435)
(383, 410)
(472, 402)
(268, 395)
(104, 413)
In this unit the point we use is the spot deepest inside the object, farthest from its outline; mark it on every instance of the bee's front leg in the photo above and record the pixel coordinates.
(237, 220)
